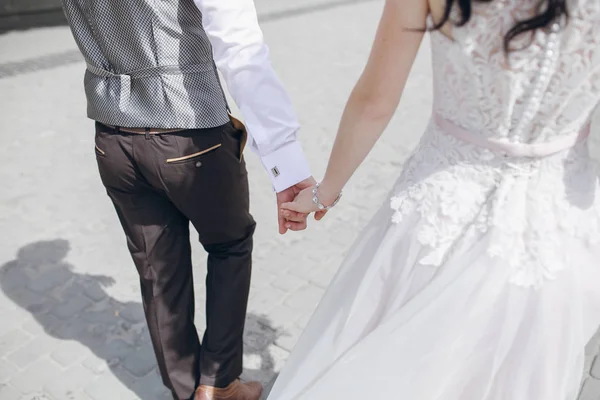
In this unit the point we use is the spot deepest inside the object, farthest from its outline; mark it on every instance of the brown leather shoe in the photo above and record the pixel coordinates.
(235, 391)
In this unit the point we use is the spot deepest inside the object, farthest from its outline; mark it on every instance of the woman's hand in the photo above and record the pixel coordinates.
(303, 203)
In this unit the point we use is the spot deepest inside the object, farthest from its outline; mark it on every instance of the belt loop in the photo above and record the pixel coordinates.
(117, 130)
(147, 133)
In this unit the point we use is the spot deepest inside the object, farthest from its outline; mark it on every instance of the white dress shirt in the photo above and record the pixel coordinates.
(243, 58)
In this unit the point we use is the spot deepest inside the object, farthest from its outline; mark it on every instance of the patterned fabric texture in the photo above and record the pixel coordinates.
(149, 63)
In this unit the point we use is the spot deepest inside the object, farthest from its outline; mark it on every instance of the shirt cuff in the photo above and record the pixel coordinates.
(287, 166)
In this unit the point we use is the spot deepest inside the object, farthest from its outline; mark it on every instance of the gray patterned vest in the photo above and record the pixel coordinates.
(149, 63)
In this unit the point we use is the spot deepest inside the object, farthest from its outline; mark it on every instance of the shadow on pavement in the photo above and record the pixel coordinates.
(74, 306)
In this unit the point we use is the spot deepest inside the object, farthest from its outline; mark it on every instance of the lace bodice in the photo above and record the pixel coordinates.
(547, 89)
(457, 191)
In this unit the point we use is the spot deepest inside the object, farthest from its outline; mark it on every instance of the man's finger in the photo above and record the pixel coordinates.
(293, 216)
(296, 226)
(282, 228)
(281, 221)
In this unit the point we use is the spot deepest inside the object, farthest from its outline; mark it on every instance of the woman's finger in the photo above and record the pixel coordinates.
(292, 206)
(319, 215)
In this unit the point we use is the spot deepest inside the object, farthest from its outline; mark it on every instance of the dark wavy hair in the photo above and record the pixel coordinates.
(548, 11)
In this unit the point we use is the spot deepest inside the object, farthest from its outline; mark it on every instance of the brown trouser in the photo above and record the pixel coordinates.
(159, 183)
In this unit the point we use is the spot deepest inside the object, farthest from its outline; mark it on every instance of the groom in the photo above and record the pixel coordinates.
(169, 155)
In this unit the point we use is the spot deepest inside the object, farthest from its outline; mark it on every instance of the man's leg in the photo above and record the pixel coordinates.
(211, 190)
(227, 290)
(158, 239)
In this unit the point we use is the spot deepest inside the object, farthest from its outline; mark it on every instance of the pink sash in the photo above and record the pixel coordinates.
(533, 150)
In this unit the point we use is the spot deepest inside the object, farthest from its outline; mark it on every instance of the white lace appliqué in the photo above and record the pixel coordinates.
(523, 211)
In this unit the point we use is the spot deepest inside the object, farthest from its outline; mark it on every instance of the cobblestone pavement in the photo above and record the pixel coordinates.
(72, 324)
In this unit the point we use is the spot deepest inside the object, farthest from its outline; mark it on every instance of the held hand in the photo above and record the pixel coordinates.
(289, 219)
(303, 203)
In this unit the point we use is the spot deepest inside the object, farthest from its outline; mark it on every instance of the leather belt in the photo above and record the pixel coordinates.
(144, 131)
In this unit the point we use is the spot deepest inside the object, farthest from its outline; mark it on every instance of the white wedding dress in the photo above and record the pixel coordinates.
(481, 279)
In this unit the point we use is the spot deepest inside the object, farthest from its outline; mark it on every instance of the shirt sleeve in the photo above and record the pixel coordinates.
(242, 56)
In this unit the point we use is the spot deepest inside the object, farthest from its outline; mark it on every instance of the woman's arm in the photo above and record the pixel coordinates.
(374, 98)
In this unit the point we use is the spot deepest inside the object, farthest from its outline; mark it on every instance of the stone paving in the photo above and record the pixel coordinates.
(71, 323)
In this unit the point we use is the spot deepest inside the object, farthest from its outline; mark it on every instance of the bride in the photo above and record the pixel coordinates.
(480, 278)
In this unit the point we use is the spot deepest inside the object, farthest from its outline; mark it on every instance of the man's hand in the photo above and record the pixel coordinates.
(290, 219)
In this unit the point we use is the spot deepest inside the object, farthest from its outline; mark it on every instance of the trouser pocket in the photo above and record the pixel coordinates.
(196, 156)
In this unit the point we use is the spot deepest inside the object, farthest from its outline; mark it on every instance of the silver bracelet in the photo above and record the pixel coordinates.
(320, 205)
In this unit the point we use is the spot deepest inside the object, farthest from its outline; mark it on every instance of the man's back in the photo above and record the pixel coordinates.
(149, 63)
